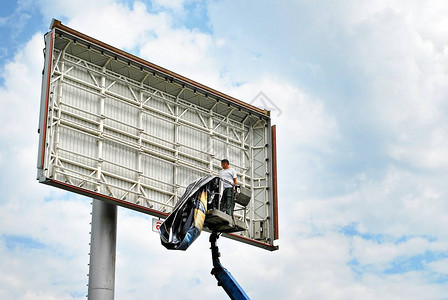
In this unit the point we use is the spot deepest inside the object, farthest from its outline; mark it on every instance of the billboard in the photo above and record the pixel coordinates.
(120, 129)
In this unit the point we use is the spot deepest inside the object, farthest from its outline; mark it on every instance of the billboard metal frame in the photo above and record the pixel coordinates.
(110, 81)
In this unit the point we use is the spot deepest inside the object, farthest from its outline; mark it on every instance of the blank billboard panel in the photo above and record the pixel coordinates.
(123, 130)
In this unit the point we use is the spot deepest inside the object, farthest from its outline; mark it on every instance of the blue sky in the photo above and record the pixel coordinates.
(362, 147)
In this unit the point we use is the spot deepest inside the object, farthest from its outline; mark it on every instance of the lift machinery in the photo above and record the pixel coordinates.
(225, 279)
(198, 207)
(220, 222)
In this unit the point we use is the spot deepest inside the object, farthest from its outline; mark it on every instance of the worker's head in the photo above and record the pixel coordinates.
(225, 164)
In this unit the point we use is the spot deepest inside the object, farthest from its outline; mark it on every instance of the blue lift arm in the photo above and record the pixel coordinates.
(225, 279)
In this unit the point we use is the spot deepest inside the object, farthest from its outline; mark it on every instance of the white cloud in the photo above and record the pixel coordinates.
(39, 238)
(429, 150)
(440, 266)
(379, 64)
(19, 99)
(400, 204)
(404, 60)
(380, 255)
(301, 120)
(173, 5)
(397, 51)
(189, 53)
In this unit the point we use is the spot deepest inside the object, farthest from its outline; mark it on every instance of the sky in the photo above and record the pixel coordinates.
(358, 90)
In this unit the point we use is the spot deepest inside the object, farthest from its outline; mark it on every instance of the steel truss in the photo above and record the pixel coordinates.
(132, 135)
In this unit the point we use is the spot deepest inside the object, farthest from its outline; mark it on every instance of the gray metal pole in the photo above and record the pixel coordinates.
(102, 251)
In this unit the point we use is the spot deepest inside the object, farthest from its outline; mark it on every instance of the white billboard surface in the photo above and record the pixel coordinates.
(120, 129)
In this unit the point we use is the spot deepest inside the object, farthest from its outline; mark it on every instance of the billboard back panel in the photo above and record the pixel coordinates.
(123, 130)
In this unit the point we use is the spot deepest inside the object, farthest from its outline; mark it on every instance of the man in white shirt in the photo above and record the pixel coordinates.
(228, 176)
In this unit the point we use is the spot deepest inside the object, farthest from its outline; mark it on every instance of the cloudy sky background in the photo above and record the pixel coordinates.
(361, 94)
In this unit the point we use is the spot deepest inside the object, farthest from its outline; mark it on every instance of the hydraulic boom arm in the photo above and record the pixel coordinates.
(225, 279)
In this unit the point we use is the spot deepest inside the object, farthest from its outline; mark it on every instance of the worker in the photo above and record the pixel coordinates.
(228, 176)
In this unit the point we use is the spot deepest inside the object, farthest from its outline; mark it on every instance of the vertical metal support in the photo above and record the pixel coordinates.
(103, 238)
(176, 146)
(243, 155)
(252, 173)
(267, 176)
(43, 103)
(227, 135)
(274, 180)
(210, 138)
(50, 127)
(140, 140)
(42, 162)
(61, 59)
(59, 112)
(103, 244)
(270, 179)
(101, 126)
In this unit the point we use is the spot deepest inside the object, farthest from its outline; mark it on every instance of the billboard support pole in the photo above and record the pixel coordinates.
(102, 251)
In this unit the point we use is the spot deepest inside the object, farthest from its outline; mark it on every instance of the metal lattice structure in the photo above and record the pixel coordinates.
(120, 129)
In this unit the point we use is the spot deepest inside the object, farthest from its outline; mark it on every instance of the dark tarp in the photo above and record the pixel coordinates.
(182, 227)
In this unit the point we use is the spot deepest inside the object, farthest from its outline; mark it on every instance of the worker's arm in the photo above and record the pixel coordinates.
(235, 181)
